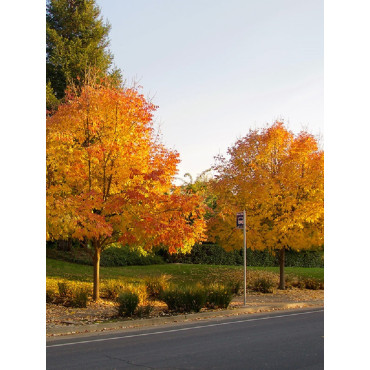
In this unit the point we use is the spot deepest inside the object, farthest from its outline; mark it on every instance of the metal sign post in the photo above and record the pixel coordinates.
(241, 224)
(245, 260)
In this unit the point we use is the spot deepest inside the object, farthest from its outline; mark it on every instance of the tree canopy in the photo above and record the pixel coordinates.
(76, 40)
(109, 178)
(278, 178)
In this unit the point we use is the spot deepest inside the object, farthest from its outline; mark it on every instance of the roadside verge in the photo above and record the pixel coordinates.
(168, 320)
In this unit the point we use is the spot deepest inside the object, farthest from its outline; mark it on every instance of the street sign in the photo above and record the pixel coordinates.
(240, 220)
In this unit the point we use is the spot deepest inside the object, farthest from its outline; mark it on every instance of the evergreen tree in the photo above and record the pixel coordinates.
(51, 101)
(76, 40)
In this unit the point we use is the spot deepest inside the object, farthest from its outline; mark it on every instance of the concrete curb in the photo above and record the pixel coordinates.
(158, 321)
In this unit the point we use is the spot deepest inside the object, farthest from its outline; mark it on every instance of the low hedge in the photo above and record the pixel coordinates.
(212, 254)
(209, 254)
(184, 299)
(113, 256)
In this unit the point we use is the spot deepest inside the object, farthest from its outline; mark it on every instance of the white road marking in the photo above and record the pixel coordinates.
(182, 329)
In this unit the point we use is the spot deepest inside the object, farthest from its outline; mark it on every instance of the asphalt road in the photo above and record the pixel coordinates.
(280, 340)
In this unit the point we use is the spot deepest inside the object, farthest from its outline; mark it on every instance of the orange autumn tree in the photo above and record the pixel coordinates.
(109, 179)
(278, 178)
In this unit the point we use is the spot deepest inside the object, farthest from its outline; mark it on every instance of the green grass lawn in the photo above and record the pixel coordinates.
(178, 273)
(304, 272)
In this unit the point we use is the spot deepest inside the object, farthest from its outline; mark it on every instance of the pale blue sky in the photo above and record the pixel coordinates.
(218, 68)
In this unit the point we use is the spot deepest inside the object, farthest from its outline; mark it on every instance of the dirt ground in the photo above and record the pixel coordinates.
(103, 310)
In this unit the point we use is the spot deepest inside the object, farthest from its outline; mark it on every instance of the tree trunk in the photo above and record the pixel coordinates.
(282, 271)
(96, 262)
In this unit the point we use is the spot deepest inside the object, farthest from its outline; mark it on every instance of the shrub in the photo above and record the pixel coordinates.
(195, 299)
(117, 255)
(185, 299)
(112, 256)
(112, 288)
(235, 286)
(262, 285)
(313, 284)
(128, 302)
(64, 289)
(144, 311)
(291, 281)
(139, 289)
(61, 291)
(219, 296)
(50, 295)
(156, 285)
(309, 258)
(80, 298)
(208, 253)
(205, 253)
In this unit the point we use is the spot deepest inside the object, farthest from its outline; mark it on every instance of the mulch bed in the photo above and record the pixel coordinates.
(104, 310)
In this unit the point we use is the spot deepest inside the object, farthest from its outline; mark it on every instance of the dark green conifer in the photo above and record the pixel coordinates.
(76, 40)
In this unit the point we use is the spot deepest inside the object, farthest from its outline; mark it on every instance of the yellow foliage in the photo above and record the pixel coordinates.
(278, 178)
(72, 285)
(109, 178)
